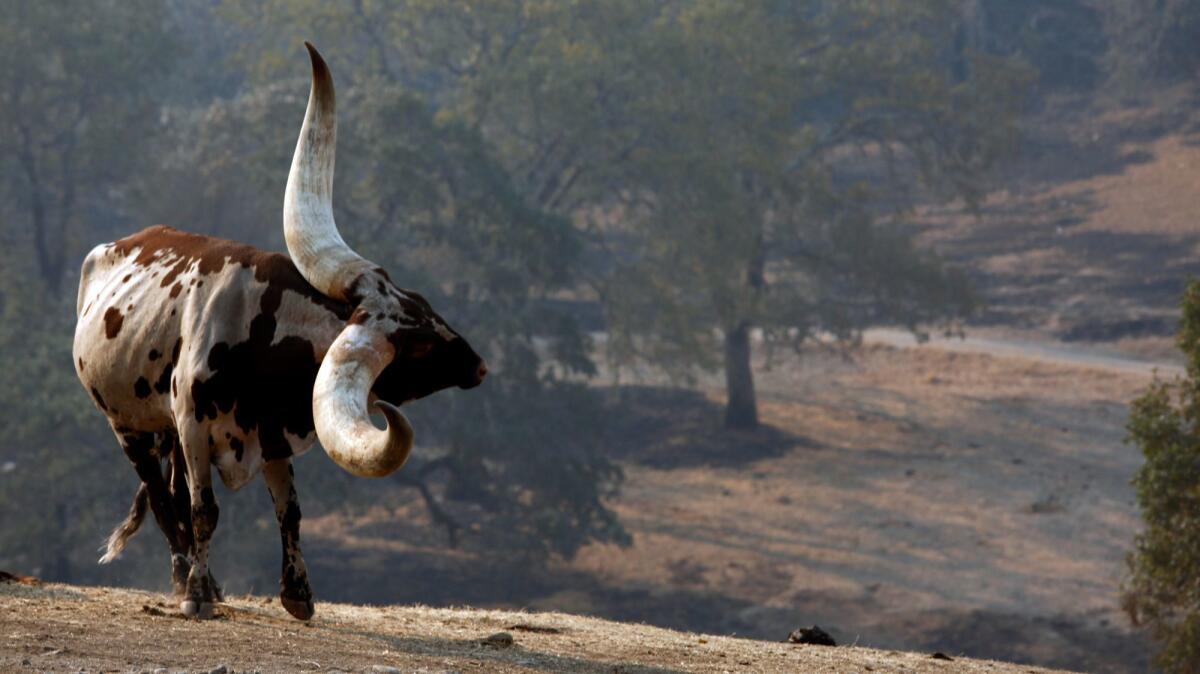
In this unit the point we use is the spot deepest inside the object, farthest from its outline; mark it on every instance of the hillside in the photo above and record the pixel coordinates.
(61, 628)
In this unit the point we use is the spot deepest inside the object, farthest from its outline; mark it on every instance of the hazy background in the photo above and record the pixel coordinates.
(694, 239)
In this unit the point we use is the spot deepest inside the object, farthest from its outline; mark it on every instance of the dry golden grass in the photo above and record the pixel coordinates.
(927, 498)
(58, 628)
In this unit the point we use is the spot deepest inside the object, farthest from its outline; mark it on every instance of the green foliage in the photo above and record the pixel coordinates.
(730, 165)
(1064, 40)
(76, 103)
(1155, 40)
(1162, 590)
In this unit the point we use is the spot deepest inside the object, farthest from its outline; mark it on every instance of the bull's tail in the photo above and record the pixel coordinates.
(125, 530)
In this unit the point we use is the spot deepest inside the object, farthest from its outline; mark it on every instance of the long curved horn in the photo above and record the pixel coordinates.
(313, 241)
(340, 414)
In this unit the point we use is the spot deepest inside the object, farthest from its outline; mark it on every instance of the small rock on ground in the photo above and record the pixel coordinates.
(811, 635)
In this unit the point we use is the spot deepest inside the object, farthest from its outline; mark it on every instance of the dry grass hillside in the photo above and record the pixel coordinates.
(60, 628)
(1094, 233)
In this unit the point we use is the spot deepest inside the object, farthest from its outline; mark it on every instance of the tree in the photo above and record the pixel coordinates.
(1162, 590)
(1064, 41)
(1153, 40)
(745, 164)
(76, 103)
(734, 166)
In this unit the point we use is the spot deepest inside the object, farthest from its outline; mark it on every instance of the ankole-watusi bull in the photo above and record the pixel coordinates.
(203, 352)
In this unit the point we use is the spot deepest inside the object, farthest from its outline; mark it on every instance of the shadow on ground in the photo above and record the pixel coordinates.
(666, 428)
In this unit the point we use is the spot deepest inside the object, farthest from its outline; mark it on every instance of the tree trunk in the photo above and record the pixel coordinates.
(741, 410)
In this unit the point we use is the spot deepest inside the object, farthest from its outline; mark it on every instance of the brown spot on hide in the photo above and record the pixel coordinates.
(141, 388)
(126, 279)
(81, 365)
(99, 399)
(154, 354)
(175, 289)
(112, 322)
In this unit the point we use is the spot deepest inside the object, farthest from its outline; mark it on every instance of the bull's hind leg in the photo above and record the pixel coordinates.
(200, 595)
(294, 592)
(144, 453)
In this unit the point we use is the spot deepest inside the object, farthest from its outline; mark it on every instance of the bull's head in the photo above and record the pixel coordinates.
(395, 348)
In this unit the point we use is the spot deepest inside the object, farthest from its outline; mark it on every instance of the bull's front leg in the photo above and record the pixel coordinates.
(201, 593)
(294, 592)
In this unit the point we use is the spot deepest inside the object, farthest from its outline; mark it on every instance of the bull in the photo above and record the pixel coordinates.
(203, 352)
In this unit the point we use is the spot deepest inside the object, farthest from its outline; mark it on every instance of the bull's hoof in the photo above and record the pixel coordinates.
(301, 609)
(199, 610)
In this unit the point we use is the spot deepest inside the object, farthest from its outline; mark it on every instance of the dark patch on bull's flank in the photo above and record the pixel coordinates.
(126, 279)
(99, 399)
(141, 388)
(175, 289)
(163, 383)
(238, 448)
(175, 351)
(112, 322)
(175, 388)
(81, 365)
(266, 384)
(154, 354)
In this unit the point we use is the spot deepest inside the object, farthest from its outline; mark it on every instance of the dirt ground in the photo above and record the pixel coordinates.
(60, 628)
